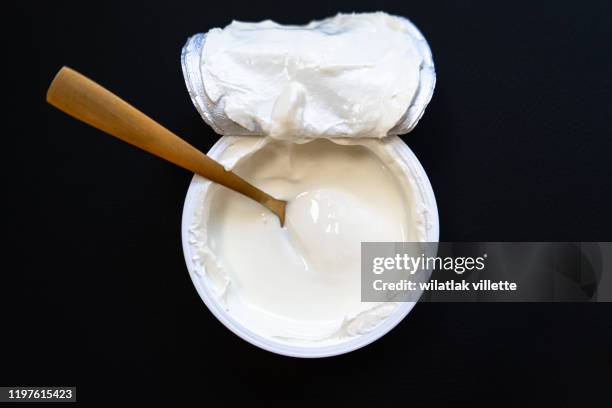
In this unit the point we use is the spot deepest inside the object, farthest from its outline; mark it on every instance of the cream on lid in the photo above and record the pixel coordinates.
(352, 75)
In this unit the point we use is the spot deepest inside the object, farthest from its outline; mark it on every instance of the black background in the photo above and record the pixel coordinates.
(516, 142)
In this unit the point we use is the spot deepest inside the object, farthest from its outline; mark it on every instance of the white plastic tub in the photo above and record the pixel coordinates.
(199, 188)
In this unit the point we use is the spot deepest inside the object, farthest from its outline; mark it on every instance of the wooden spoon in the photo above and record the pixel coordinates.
(89, 102)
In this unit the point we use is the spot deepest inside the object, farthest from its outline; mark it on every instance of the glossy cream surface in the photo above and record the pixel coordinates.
(301, 283)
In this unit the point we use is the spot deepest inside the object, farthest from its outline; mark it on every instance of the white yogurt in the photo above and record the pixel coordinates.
(353, 75)
(350, 79)
(302, 282)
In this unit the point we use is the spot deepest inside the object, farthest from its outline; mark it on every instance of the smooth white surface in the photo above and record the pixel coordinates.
(301, 283)
(352, 75)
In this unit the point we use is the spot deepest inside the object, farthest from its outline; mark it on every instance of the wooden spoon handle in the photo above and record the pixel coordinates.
(89, 102)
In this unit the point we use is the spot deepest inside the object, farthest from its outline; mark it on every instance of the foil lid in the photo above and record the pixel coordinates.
(214, 114)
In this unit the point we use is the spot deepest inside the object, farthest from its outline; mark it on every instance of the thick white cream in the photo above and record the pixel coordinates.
(352, 75)
(301, 283)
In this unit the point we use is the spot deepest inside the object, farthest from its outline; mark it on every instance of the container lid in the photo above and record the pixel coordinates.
(226, 119)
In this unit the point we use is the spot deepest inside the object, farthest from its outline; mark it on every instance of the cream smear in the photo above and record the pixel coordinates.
(352, 75)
